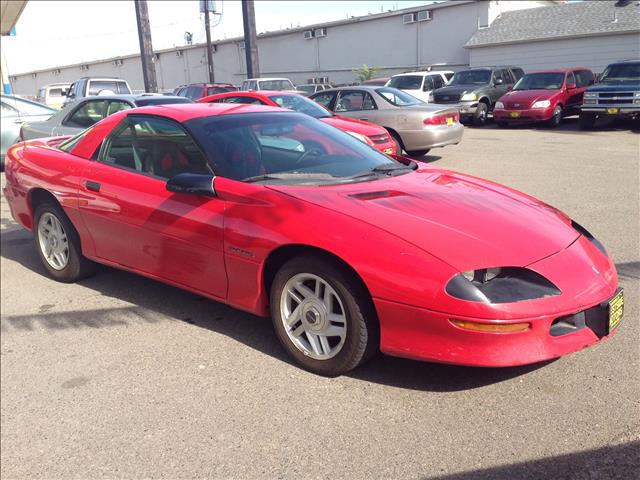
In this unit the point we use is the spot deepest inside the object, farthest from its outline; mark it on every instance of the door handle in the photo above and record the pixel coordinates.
(93, 186)
(364, 119)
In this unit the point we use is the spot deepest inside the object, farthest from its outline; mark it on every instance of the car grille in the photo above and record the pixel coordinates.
(614, 98)
(379, 139)
(516, 105)
(452, 98)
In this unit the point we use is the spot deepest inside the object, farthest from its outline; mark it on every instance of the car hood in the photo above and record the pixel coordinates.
(527, 97)
(616, 86)
(466, 222)
(458, 89)
(353, 125)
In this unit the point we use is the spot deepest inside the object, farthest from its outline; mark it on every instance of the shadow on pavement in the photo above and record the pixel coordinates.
(608, 463)
(156, 302)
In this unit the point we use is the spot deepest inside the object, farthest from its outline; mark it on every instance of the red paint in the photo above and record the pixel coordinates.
(405, 236)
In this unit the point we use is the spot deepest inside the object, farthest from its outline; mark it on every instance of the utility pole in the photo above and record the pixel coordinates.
(250, 39)
(146, 50)
(207, 28)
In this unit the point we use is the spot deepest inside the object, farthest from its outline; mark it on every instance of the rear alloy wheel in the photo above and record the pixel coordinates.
(556, 119)
(322, 317)
(480, 115)
(587, 120)
(58, 245)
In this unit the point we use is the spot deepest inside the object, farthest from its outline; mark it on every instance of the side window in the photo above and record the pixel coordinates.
(252, 85)
(571, 79)
(324, 98)
(584, 78)
(123, 88)
(193, 92)
(518, 73)
(428, 84)
(153, 146)
(244, 100)
(438, 82)
(497, 75)
(354, 101)
(508, 78)
(116, 106)
(88, 114)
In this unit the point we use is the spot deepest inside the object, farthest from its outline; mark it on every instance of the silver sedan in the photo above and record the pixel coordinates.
(415, 126)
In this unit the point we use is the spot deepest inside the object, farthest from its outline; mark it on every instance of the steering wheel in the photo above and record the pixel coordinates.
(312, 151)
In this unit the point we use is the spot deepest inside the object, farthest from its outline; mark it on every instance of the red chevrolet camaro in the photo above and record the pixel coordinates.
(368, 132)
(348, 250)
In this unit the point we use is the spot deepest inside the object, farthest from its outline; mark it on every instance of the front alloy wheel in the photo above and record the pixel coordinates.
(53, 241)
(323, 315)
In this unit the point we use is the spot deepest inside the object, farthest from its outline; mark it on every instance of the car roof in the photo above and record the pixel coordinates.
(182, 112)
(422, 72)
(559, 70)
(370, 88)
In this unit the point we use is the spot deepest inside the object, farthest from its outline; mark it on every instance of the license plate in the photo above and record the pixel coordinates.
(616, 309)
(515, 114)
(388, 151)
(613, 111)
(449, 121)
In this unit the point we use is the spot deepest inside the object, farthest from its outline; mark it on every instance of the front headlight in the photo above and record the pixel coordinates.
(499, 105)
(360, 137)
(469, 97)
(541, 104)
(583, 231)
(590, 95)
(636, 95)
(500, 285)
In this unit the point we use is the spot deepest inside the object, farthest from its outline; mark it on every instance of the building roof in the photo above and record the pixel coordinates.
(10, 11)
(570, 20)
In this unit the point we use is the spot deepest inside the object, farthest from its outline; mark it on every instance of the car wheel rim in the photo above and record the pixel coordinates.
(556, 116)
(313, 315)
(53, 241)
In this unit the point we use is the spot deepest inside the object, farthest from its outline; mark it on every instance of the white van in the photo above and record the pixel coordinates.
(53, 95)
(420, 84)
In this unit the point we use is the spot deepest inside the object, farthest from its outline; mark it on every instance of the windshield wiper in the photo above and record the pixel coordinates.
(287, 175)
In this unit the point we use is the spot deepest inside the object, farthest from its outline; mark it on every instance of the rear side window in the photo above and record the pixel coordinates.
(518, 73)
(584, 78)
(243, 99)
(88, 114)
(354, 101)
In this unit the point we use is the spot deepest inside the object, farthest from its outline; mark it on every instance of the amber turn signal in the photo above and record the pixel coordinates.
(491, 327)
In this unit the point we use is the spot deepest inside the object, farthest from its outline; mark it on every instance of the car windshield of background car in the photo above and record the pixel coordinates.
(471, 77)
(540, 81)
(406, 82)
(300, 104)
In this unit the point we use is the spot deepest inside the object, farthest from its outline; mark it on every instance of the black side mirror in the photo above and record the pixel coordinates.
(192, 184)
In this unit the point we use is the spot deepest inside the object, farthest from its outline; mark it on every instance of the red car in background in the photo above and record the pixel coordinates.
(546, 96)
(348, 250)
(373, 135)
(195, 91)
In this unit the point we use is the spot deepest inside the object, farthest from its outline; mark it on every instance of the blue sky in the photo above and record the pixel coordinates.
(56, 33)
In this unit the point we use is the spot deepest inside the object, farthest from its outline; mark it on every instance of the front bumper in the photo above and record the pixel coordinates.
(611, 110)
(467, 108)
(427, 335)
(525, 115)
(432, 136)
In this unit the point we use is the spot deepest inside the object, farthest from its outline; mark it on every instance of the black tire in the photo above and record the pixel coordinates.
(418, 153)
(556, 118)
(480, 116)
(587, 120)
(77, 266)
(398, 141)
(362, 337)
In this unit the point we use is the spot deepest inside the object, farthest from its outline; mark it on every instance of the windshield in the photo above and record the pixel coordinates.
(283, 84)
(397, 97)
(471, 77)
(406, 82)
(306, 88)
(540, 81)
(621, 72)
(287, 148)
(300, 104)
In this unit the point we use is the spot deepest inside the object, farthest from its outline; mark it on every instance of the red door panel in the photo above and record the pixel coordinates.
(134, 221)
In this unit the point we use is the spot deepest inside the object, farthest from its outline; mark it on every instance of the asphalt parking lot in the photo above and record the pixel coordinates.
(124, 377)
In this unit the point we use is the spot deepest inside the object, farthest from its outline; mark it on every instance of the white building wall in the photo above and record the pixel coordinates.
(592, 52)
